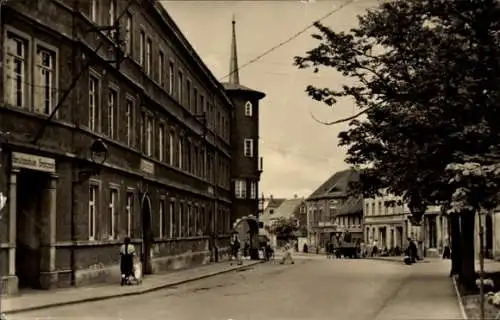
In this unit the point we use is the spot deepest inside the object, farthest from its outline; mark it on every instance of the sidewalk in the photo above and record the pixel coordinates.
(426, 293)
(46, 299)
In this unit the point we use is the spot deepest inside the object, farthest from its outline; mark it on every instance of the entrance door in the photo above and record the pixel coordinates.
(146, 234)
(31, 187)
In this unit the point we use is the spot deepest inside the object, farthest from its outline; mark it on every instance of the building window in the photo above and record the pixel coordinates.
(112, 15)
(188, 95)
(202, 104)
(112, 112)
(93, 192)
(161, 59)
(162, 212)
(253, 190)
(171, 149)
(45, 81)
(129, 114)
(16, 72)
(93, 10)
(179, 87)
(129, 209)
(240, 189)
(195, 101)
(128, 34)
(149, 136)
(180, 148)
(113, 198)
(171, 78)
(93, 103)
(180, 216)
(248, 148)
(248, 109)
(149, 56)
(173, 219)
(161, 142)
(142, 47)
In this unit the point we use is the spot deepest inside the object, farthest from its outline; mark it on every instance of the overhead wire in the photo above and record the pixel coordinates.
(293, 37)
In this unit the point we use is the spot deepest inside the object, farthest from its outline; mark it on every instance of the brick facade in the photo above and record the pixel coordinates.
(187, 165)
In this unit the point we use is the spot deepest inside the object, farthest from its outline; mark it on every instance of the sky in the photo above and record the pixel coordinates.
(299, 153)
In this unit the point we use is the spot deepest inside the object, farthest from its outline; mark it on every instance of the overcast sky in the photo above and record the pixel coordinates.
(299, 154)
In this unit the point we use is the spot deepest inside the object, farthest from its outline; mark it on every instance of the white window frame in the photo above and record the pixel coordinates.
(112, 204)
(10, 94)
(94, 10)
(161, 142)
(112, 111)
(180, 90)
(128, 34)
(253, 189)
(142, 47)
(240, 189)
(180, 147)
(149, 56)
(129, 121)
(94, 105)
(161, 62)
(149, 136)
(42, 103)
(171, 78)
(248, 148)
(92, 210)
(248, 109)
(129, 209)
(171, 148)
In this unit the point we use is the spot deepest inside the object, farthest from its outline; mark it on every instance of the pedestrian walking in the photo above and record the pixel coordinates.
(235, 249)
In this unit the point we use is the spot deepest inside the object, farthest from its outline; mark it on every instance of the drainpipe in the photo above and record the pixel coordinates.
(2, 3)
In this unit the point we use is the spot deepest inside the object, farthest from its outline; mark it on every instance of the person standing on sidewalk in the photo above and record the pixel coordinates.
(235, 249)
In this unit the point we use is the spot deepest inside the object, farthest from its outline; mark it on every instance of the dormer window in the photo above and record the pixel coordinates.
(248, 109)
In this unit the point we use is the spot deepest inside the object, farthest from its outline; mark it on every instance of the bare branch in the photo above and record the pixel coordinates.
(341, 120)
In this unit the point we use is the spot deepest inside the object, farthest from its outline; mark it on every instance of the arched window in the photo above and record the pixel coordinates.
(248, 109)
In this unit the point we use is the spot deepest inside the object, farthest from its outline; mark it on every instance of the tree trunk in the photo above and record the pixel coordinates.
(467, 272)
(456, 250)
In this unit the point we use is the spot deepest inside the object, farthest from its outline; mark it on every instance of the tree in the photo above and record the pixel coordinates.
(425, 78)
(284, 228)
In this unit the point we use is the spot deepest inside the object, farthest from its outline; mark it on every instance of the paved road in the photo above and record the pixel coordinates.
(309, 289)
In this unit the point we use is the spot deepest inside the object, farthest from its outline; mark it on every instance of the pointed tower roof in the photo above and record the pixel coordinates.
(234, 74)
(233, 85)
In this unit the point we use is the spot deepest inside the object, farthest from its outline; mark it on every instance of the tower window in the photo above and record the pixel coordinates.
(248, 109)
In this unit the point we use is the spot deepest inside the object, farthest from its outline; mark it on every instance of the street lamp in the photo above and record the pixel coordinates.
(98, 155)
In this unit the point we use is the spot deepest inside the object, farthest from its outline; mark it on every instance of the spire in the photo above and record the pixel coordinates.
(234, 75)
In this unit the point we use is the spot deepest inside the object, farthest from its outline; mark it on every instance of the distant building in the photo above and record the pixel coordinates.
(289, 209)
(332, 210)
(386, 221)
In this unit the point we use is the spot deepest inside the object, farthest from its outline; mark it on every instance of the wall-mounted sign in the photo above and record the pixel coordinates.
(147, 166)
(29, 161)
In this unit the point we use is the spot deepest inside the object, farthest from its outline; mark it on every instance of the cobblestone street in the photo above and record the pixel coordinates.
(312, 288)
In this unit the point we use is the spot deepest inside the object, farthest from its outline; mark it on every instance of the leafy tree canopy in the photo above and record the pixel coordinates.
(426, 77)
(284, 227)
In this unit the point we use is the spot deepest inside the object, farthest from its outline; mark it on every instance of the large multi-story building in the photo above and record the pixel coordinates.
(387, 223)
(332, 210)
(112, 126)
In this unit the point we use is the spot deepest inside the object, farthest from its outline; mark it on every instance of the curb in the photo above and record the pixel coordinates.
(126, 294)
(459, 298)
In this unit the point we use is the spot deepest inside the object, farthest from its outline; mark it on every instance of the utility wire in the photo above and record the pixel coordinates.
(77, 77)
(293, 37)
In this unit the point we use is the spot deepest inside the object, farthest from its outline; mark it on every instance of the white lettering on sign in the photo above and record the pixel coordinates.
(29, 161)
(147, 166)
